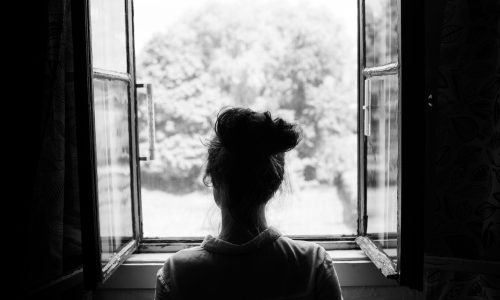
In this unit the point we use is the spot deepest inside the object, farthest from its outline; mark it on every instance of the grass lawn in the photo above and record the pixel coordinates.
(311, 211)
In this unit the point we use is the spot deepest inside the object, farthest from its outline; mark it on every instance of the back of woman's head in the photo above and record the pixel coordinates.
(246, 156)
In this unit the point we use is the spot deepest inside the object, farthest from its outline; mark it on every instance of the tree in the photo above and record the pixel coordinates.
(266, 55)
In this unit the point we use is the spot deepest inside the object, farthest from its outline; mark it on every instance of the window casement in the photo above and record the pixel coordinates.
(108, 133)
(379, 137)
(105, 81)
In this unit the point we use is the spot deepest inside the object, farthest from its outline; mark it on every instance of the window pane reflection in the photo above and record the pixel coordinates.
(381, 37)
(109, 40)
(382, 156)
(113, 164)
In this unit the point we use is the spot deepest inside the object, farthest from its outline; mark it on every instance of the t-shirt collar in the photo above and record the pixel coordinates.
(216, 245)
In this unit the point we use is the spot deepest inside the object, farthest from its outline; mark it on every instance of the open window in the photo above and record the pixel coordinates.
(392, 141)
(296, 59)
(379, 141)
(147, 131)
(106, 117)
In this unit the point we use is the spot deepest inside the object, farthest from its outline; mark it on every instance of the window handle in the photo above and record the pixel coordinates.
(151, 121)
(367, 109)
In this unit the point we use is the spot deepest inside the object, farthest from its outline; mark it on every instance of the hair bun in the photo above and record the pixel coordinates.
(241, 130)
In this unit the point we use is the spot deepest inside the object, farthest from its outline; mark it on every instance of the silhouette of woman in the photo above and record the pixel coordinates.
(249, 259)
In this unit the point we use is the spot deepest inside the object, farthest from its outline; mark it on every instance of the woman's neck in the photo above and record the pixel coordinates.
(238, 232)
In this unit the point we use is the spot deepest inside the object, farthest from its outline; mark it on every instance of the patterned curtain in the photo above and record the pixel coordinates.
(54, 215)
(464, 211)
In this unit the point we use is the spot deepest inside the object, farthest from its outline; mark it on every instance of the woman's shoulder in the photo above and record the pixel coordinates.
(299, 248)
(187, 255)
(185, 259)
(300, 244)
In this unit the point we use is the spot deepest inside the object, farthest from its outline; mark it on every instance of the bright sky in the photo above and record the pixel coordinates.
(152, 16)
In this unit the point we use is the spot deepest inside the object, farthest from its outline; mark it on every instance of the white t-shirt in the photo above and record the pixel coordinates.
(270, 266)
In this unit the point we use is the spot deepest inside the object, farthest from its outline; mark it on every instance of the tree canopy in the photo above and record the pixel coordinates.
(291, 59)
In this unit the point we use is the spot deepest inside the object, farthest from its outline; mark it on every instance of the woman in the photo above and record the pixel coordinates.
(248, 260)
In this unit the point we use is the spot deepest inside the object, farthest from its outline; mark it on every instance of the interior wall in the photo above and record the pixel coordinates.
(463, 206)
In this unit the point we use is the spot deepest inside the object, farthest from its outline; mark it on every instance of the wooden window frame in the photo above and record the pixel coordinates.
(362, 240)
(411, 75)
(365, 241)
(93, 271)
(329, 242)
(413, 149)
(409, 270)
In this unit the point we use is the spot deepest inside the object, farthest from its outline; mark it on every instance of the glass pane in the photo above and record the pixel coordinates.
(109, 35)
(382, 158)
(113, 164)
(296, 59)
(381, 35)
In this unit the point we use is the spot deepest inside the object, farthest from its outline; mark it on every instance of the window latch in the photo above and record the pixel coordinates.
(150, 121)
(367, 109)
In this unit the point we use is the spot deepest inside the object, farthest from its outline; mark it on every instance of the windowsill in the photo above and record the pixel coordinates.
(352, 266)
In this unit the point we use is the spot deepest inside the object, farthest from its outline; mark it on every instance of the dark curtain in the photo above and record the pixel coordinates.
(53, 214)
(463, 207)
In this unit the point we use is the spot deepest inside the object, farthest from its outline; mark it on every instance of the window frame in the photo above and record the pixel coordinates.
(333, 241)
(414, 154)
(94, 273)
(411, 144)
(329, 242)
(409, 214)
(365, 241)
